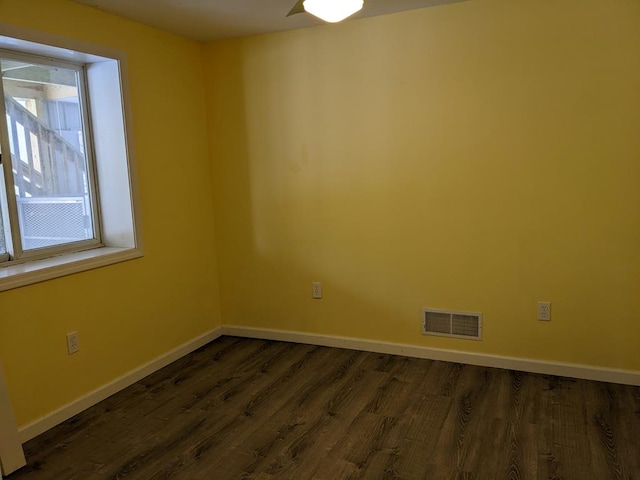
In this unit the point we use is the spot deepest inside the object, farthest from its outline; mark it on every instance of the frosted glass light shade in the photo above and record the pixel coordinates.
(333, 10)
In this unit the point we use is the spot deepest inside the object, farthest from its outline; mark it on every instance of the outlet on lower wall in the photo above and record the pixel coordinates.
(544, 311)
(316, 290)
(73, 344)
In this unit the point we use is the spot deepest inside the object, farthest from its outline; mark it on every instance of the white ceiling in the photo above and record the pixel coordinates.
(207, 20)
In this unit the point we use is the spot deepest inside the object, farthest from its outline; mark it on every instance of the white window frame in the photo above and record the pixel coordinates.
(121, 238)
(10, 215)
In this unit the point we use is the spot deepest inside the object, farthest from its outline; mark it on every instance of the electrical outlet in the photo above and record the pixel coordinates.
(316, 290)
(73, 344)
(544, 311)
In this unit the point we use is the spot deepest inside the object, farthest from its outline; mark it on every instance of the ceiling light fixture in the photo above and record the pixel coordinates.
(333, 11)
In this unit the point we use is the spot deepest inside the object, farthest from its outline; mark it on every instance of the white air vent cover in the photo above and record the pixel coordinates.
(452, 324)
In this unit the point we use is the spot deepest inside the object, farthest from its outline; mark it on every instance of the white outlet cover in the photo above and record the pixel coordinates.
(73, 344)
(544, 311)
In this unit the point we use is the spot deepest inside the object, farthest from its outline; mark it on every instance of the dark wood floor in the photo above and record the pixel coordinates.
(252, 409)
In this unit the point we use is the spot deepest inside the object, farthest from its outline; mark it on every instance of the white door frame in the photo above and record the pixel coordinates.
(11, 453)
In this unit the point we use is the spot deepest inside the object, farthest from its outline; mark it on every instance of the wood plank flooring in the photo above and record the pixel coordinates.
(261, 410)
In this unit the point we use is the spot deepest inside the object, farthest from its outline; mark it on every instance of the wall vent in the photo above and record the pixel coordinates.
(445, 323)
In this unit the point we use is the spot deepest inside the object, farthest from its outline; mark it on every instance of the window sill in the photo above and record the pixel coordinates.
(23, 274)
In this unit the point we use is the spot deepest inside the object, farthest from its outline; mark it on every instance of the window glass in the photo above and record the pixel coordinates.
(44, 114)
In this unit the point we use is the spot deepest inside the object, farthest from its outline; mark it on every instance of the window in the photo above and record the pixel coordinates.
(50, 203)
(67, 190)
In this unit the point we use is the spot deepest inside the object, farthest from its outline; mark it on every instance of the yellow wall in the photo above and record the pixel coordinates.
(479, 156)
(130, 313)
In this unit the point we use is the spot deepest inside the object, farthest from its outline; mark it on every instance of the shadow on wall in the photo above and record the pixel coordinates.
(403, 183)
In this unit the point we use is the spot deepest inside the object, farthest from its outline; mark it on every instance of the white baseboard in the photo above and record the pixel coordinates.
(587, 372)
(41, 425)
